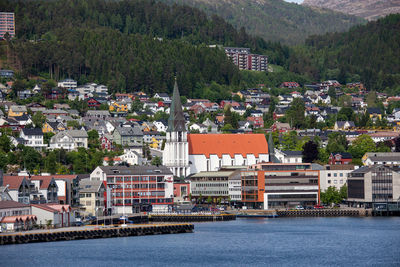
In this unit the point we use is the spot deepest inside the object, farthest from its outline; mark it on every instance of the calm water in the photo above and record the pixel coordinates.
(245, 242)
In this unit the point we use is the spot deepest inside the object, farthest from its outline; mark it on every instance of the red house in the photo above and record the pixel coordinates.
(258, 122)
(93, 103)
(340, 158)
(181, 190)
(106, 142)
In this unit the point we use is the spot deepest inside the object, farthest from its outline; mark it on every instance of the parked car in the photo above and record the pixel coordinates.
(319, 207)
(79, 223)
(299, 207)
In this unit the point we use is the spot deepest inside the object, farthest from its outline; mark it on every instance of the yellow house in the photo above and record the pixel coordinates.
(118, 107)
(154, 143)
(17, 111)
(53, 127)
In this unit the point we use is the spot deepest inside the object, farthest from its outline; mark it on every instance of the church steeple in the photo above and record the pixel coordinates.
(176, 121)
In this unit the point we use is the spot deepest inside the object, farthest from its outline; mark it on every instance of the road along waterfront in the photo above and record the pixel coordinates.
(340, 241)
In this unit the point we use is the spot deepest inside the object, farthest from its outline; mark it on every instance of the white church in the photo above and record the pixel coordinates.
(187, 154)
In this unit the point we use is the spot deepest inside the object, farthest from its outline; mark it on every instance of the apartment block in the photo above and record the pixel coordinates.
(242, 58)
(7, 24)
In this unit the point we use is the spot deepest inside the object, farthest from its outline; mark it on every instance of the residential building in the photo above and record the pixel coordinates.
(334, 175)
(134, 188)
(69, 140)
(16, 111)
(340, 158)
(287, 156)
(369, 185)
(344, 125)
(7, 24)
(68, 83)
(33, 137)
(128, 136)
(242, 58)
(91, 197)
(385, 158)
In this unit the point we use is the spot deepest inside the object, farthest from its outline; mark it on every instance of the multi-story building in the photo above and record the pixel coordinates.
(212, 184)
(33, 138)
(7, 24)
(91, 197)
(385, 158)
(242, 58)
(369, 185)
(280, 185)
(334, 175)
(130, 189)
(68, 83)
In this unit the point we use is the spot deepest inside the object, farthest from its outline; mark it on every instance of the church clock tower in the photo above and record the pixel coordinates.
(176, 150)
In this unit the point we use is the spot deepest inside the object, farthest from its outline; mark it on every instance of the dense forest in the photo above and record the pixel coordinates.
(129, 45)
(276, 20)
(370, 53)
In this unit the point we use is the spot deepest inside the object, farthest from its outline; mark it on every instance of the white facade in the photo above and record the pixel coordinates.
(68, 83)
(235, 190)
(131, 157)
(46, 215)
(287, 157)
(336, 178)
(176, 153)
(200, 163)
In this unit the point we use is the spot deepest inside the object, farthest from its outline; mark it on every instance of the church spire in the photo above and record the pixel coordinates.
(176, 121)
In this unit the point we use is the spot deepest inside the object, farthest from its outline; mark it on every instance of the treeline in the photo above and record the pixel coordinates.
(369, 53)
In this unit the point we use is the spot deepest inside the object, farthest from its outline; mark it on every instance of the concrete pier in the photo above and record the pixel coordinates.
(75, 233)
(192, 218)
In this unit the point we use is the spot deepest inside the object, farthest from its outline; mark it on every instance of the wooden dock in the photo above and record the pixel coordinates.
(65, 234)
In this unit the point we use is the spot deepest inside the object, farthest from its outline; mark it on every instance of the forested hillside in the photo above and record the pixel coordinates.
(370, 53)
(276, 20)
(129, 45)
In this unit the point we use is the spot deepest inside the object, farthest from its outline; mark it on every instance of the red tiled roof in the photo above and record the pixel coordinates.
(231, 144)
(13, 182)
(13, 219)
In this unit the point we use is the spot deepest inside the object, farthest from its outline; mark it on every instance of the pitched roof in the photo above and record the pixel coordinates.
(176, 120)
(32, 131)
(13, 182)
(77, 133)
(10, 204)
(135, 170)
(219, 144)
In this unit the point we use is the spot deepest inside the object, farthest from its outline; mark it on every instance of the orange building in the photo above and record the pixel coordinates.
(281, 185)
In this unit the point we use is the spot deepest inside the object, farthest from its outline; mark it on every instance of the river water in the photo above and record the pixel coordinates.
(244, 242)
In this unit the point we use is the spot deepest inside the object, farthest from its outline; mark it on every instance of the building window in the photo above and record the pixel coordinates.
(329, 175)
(329, 181)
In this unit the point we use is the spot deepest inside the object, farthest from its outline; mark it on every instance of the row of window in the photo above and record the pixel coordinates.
(206, 193)
(335, 181)
(335, 174)
(137, 186)
(137, 194)
(14, 213)
(211, 185)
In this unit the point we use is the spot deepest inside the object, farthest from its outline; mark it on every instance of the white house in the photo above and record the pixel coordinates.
(68, 83)
(33, 138)
(385, 158)
(131, 157)
(286, 156)
(69, 140)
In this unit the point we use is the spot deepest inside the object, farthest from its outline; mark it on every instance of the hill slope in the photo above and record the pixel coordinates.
(370, 52)
(128, 45)
(275, 20)
(368, 9)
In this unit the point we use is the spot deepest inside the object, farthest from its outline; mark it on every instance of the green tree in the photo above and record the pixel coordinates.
(289, 141)
(38, 119)
(295, 114)
(310, 152)
(331, 195)
(93, 139)
(361, 145)
(5, 143)
(337, 142)
(156, 161)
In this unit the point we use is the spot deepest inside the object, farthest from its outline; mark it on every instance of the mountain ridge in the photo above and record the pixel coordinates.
(367, 9)
(275, 20)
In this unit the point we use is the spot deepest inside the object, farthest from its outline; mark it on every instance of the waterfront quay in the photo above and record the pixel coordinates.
(307, 213)
(93, 232)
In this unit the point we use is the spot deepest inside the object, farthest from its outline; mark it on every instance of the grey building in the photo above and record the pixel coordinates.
(373, 184)
(128, 136)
